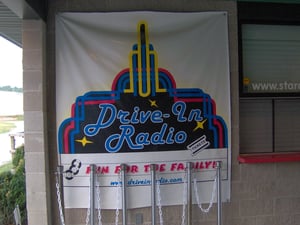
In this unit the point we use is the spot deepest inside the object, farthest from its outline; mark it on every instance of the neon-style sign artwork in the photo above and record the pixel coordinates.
(143, 112)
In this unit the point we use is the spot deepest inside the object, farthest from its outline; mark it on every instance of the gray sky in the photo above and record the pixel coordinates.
(10, 64)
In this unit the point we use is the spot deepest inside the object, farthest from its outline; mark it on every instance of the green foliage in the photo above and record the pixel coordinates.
(12, 190)
(6, 216)
(18, 157)
(6, 167)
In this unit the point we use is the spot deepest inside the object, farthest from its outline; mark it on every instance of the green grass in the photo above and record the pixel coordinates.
(6, 126)
(7, 122)
(6, 167)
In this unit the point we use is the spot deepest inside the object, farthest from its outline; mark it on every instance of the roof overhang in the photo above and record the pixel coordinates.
(12, 12)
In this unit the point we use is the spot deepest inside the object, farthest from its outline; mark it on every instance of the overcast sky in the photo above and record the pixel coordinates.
(10, 64)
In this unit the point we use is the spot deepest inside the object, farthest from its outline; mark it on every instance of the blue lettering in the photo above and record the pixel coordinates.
(142, 139)
(115, 142)
(144, 116)
(180, 137)
(178, 109)
(122, 117)
(157, 137)
(196, 114)
(126, 132)
(169, 139)
(93, 129)
(134, 118)
(156, 116)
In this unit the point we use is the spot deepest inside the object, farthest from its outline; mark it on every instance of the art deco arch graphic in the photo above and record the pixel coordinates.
(144, 112)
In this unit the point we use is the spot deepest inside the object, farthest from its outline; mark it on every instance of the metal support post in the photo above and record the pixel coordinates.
(219, 190)
(189, 192)
(124, 205)
(92, 193)
(153, 193)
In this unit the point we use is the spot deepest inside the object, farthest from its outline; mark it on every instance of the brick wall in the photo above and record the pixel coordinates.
(261, 194)
(36, 156)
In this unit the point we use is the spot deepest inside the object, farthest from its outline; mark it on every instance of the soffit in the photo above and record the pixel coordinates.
(10, 25)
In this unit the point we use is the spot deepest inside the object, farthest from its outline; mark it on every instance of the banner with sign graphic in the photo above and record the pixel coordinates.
(142, 88)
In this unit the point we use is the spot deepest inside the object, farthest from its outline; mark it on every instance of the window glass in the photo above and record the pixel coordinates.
(256, 126)
(271, 58)
(287, 125)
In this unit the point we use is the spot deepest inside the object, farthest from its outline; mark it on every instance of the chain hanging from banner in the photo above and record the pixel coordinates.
(185, 182)
(184, 202)
(98, 201)
(213, 195)
(184, 195)
(88, 212)
(58, 195)
(161, 221)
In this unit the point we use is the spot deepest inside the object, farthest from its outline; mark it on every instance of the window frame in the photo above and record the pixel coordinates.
(268, 14)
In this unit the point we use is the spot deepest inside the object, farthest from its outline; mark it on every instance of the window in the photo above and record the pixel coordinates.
(269, 55)
(269, 125)
(271, 59)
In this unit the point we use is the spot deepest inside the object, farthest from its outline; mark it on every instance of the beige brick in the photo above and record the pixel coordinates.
(287, 188)
(296, 218)
(288, 170)
(37, 181)
(35, 153)
(37, 201)
(34, 142)
(266, 190)
(256, 207)
(241, 221)
(235, 172)
(32, 81)
(256, 189)
(35, 162)
(29, 25)
(33, 122)
(243, 190)
(265, 220)
(32, 60)
(230, 210)
(33, 101)
(287, 205)
(37, 217)
(285, 220)
(258, 173)
(32, 39)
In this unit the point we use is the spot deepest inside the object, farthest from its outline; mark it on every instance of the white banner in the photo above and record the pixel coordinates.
(141, 88)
